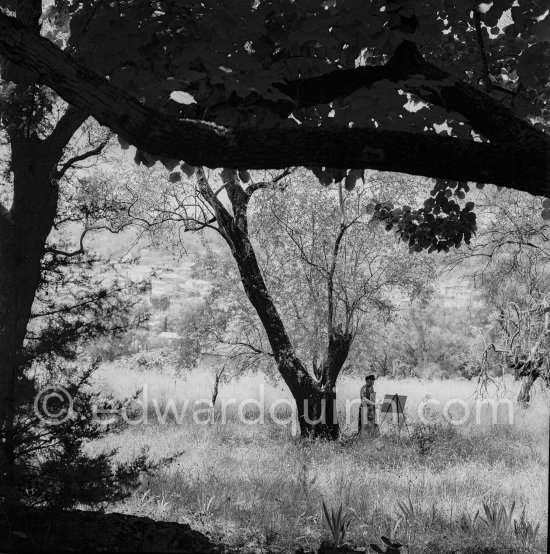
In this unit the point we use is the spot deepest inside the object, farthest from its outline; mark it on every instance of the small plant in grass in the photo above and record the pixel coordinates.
(338, 523)
(497, 518)
(423, 438)
(205, 503)
(408, 512)
(409, 516)
(163, 506)
(467, 522)
(525, 531)
(143, 502)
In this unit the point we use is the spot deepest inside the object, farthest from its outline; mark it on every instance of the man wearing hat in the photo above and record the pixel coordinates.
(368, 404)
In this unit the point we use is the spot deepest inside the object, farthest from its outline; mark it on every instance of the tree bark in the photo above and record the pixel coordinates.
(524, 396)
(8, 351)
(23, 233)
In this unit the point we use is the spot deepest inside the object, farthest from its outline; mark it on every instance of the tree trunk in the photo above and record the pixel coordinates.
(23, 233)
(337, 353)
(315, 400)
(8, 319)
(524, 396)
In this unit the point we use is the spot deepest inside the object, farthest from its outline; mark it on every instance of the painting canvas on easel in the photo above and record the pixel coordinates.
(394, 404)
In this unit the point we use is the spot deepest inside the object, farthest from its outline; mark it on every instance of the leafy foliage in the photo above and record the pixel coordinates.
(472, 73)
(526, 531)
(53, 467)
(441, 224)
(294, 228)
(498, 518)
(73, 307)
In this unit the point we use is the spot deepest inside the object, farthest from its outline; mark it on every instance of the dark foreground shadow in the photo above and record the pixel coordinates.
(76, 530)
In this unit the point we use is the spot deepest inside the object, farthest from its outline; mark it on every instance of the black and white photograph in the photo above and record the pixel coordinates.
(275, 276)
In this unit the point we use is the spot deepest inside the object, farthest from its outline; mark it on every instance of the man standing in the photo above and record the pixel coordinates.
(368, 405)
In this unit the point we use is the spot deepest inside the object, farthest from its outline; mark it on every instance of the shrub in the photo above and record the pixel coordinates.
(433, 371)
(53, 467)
(401, 369)
(423, 437)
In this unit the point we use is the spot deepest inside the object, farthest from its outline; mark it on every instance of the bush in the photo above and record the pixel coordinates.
(52, 465)
(468, 370)
(401, 369)
(434, 371)
(427, 434)
(423, 438)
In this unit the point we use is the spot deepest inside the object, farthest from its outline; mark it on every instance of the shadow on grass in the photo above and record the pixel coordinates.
(37, 530)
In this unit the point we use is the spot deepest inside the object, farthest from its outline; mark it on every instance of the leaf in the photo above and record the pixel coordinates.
(189, 170)
(336, 174)
(351, 180)
(182, 97)
(244, 175)
(327, 518)
(124, 144)
(227, 174)
(368, 209)
(144, 158)
(325, 179)
(169, 164)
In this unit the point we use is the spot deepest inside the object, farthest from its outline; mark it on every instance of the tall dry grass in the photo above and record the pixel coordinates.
(259, 487)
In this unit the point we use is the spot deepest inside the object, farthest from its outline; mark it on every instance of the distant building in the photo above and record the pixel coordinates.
(459, 292)
(160, 287)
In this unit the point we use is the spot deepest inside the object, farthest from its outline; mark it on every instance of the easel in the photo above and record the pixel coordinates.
(395, 404)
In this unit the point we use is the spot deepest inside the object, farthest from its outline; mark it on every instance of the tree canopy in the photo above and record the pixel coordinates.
(455, 92)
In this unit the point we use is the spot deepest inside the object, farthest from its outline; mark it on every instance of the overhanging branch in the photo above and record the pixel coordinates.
(515, 165)
(484, 113)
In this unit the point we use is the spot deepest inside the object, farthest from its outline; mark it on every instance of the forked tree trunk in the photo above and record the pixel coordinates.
(337, 353)
(315, 399)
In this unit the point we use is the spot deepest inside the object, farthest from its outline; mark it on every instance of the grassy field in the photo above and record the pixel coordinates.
(258, 487)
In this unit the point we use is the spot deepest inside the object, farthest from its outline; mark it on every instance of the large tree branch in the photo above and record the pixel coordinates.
(486, 114)
(523, 165)
(66, 127)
